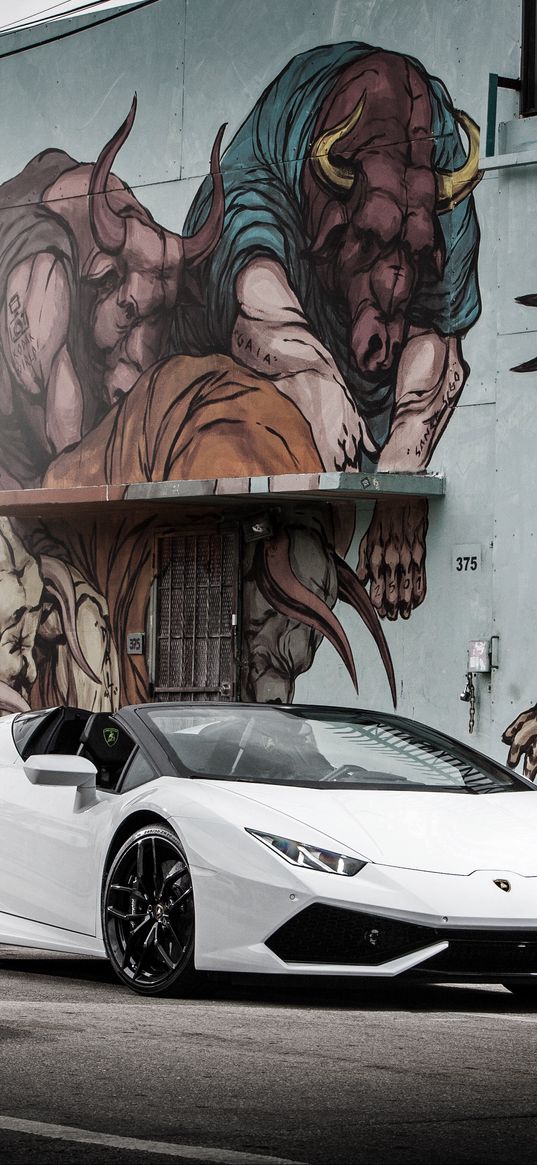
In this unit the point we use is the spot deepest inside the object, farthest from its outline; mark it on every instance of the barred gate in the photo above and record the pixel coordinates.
(197, 596)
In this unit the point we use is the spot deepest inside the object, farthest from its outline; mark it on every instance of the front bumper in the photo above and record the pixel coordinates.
(274, 919)
(369, 944)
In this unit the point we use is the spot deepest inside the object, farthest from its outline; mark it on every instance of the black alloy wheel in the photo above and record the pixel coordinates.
(148, 913)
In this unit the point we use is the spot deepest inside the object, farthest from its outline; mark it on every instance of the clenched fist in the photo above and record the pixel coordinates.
(392, 556)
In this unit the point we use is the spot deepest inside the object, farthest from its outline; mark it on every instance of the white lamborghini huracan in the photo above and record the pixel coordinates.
(285, 840)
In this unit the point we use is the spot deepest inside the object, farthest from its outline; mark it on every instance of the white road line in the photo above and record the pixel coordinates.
(208, 1154)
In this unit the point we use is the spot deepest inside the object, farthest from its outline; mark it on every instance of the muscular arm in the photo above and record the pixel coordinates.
(430, 379)
(36, 322)
(272, 337)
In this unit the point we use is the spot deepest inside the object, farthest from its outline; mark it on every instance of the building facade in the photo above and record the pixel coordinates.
(267, 377)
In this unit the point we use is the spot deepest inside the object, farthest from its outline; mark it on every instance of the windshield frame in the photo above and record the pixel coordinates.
(423, 734)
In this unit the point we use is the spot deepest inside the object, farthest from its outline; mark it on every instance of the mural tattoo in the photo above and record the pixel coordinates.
(310, 318)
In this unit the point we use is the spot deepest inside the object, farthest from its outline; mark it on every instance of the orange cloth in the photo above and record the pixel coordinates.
(192, 418)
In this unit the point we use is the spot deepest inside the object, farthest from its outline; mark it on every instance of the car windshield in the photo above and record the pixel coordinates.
(325, 747)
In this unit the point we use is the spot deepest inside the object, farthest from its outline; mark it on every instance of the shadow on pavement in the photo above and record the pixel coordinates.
(280, 991)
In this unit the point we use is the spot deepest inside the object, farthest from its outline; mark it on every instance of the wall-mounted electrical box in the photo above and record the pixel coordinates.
(479, 655)
(483, 654)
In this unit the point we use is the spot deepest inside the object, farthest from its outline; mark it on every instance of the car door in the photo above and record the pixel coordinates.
(48, 851)
(49, 843)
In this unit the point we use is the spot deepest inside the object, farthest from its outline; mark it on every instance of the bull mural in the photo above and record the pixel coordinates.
(309, 318)
(347, 272)
(89, 285)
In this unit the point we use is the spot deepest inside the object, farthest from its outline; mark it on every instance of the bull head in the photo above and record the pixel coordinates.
(452, 186)
(134, 273)
(372, 213)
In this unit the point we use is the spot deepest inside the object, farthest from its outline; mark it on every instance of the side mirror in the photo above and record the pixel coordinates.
(52, 769)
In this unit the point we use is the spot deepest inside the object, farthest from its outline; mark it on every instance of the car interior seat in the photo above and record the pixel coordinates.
(106, 743)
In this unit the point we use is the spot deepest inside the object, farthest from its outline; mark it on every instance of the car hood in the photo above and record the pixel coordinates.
(441, 832)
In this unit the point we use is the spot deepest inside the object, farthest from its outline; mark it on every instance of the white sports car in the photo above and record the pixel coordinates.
(283, 840)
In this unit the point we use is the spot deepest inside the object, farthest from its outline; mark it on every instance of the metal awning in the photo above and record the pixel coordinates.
(220, 492)
(326, 486)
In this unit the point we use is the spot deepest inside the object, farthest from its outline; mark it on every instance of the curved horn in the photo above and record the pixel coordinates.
(351, 591)
(331, 174)
(527, 366)
(198, 247)
(59, 581)
(107, 227)
(281, 588)
(452, 186)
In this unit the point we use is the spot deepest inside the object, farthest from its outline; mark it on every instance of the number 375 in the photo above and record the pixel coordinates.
(466, 562)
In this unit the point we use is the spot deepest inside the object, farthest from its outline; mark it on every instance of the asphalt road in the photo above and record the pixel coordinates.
(243, 1073)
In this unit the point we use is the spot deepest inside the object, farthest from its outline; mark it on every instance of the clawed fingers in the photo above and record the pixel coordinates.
(392, 558)
(391, 581)
(406, 582)
(399, 584)
(525, 735)
(378, 582)
(509, 734)
(419, 588)
(529, 717)
(530, 763)
(368, 443)
(362, 569)
(514, 755)
(521, 735)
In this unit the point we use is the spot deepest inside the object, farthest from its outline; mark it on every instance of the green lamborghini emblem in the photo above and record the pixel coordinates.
(111, 736)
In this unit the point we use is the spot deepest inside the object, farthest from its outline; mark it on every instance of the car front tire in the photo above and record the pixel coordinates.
(148, 913)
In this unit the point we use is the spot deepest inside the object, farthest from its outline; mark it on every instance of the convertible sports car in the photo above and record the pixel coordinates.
(284, 840)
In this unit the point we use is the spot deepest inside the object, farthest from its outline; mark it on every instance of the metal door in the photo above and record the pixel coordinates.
(196, 626)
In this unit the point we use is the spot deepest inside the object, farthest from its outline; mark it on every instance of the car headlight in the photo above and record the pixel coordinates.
(310, 857)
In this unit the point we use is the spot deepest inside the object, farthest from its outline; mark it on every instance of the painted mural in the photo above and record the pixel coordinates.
(310, 317)
(521, 734)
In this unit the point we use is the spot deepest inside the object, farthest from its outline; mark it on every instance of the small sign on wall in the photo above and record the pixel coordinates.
(479, 655)
(466, 558)
(135, 643)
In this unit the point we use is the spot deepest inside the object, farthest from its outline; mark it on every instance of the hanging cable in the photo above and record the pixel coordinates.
(44, 14)
(72, 31)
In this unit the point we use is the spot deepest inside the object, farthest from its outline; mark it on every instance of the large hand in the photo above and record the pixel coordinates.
(350, 440)
(521, 735)
(392, 556)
